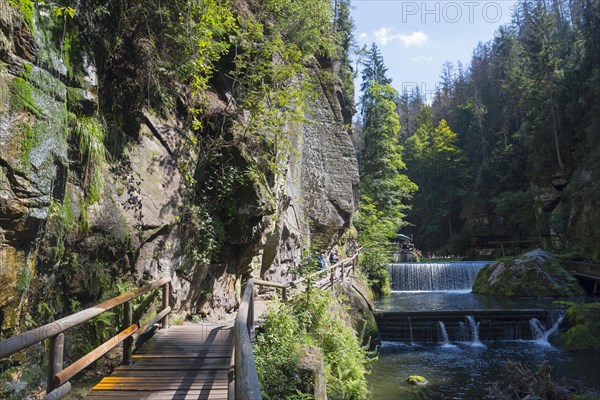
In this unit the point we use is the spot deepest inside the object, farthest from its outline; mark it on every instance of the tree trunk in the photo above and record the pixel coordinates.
(561, 165)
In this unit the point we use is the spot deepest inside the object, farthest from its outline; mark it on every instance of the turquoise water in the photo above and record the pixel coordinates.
(463, 371)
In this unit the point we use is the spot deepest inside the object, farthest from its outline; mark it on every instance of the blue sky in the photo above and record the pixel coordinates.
(417, 37)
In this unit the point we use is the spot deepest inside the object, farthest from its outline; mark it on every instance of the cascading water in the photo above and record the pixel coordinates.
(474, 328)
(444, 335)
(429, 295)
(539, 333)
(434, 276)
(470, 334)
(537, 329)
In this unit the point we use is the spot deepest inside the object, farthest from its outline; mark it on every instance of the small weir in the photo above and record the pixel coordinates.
(470, 326)
(443, 334)
(448, 311)
(434, 276)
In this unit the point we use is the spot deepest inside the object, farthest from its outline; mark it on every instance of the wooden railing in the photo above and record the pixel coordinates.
(345, 267)
(247, 386)
(58, 378)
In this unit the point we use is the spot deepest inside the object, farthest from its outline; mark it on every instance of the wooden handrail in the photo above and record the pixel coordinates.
(285, 287)
(58, 379)
(247, 386)
(66, 374)
(29, 338)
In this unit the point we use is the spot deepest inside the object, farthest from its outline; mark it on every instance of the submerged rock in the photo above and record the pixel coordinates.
(417, 380)
(536, 273)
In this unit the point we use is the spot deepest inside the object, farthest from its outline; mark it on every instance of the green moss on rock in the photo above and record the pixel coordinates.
(417, 380)
(583, 322)
(536, 273)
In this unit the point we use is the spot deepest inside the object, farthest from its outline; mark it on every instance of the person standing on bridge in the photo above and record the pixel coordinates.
(321, 262)
(334, 258)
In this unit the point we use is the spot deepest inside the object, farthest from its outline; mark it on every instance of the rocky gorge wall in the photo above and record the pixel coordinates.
(90, 207)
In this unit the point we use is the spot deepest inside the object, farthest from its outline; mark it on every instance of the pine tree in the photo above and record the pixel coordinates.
(385, 189)
(374, 71)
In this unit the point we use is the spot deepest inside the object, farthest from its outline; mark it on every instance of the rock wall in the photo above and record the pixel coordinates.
(61, 247)
(320, 191)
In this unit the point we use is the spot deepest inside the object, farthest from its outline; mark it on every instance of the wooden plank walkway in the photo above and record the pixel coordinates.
(182, 362)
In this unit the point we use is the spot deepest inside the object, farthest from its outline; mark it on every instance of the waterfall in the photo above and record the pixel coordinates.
(444, 335)
(539, 333)
(537, 329)
(434, 276)
(474, 328)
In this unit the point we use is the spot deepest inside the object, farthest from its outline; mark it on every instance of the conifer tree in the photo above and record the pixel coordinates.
(385, 189)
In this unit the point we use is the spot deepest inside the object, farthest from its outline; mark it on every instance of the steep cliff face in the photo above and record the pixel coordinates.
(320, 191)
(67, 239)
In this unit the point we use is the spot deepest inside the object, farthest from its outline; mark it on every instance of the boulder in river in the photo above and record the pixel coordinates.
(535, 273)
(417, 380)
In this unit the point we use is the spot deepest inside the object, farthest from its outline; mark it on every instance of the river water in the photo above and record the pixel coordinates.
(463, 371)
(460, 369)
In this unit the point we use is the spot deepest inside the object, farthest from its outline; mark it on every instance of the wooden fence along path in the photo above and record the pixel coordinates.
(182, 362)
(196, 361)
(585, 271)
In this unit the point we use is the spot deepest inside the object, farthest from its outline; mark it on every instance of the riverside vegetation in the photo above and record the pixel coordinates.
(316, 319)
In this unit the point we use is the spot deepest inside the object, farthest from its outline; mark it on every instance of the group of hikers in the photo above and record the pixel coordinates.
(334, 258)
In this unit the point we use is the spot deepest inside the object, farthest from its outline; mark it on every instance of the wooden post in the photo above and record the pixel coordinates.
(343, 265)
(165, 303)
(332, 277)
(250, 321)
(55, 359)
(127, 321)
(284, 294)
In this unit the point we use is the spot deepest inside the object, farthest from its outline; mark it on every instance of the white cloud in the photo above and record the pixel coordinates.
(384, 35)
(414, 38)
(363, 36)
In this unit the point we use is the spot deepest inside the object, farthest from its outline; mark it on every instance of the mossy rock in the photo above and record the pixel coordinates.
(536, 273)
(583, 322)
(417, 380)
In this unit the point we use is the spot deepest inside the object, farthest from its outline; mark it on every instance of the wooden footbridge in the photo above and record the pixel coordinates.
(196, 361)
(199, 361)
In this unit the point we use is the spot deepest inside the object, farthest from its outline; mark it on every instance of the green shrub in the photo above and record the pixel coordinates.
(276, 353)
(313, 319)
